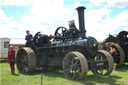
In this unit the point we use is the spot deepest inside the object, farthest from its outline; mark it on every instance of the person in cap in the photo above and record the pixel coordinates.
(29, 38)
(11, 59)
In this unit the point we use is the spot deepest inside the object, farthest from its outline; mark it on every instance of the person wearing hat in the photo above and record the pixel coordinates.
(29, 38)
(11, 59)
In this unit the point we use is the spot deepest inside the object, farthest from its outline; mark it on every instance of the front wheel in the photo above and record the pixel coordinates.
(25, 60)
(75, 66)
(104, 63)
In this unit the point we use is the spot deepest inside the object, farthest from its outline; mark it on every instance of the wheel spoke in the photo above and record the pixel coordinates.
(75, 75)
(75, 72)
(68, 61)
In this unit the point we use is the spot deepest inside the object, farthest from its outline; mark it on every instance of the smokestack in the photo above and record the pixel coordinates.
(81, 21)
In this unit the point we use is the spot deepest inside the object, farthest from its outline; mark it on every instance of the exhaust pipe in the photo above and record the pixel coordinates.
(80, 11)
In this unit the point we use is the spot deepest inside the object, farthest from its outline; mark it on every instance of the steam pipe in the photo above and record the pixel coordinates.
(80, 11)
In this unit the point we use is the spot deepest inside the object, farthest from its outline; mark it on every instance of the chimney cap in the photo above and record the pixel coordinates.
(80, 7)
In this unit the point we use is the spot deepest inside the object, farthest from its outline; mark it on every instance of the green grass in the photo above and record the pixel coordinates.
(118, 77)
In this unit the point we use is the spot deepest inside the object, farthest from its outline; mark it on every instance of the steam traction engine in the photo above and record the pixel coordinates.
(69, 50)
(120, 43)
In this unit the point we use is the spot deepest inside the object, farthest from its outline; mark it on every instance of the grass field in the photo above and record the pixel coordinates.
(118, 77)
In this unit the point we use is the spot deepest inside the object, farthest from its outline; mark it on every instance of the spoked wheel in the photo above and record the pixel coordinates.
(118, 55)
(75, 66)
(60, 32)
(104, 63)
(25, 60)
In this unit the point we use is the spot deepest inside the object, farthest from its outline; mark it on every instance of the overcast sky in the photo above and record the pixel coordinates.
(101, 16)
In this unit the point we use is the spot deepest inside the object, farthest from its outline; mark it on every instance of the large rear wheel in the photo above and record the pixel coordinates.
(25, 60)
(118, 55)
(104, 63)
(75, 66)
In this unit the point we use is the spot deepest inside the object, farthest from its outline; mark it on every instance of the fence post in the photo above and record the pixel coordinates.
(41, 79)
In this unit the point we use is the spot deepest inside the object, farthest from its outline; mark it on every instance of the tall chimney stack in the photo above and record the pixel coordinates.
(81, 21)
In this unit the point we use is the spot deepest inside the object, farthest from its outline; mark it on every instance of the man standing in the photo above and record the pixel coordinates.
(29, 38)
(11, 59)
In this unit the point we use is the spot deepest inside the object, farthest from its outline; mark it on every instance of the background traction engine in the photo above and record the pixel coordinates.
(69, 50)
(120, 44)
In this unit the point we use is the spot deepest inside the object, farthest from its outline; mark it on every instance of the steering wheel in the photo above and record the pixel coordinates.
(59, 33)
